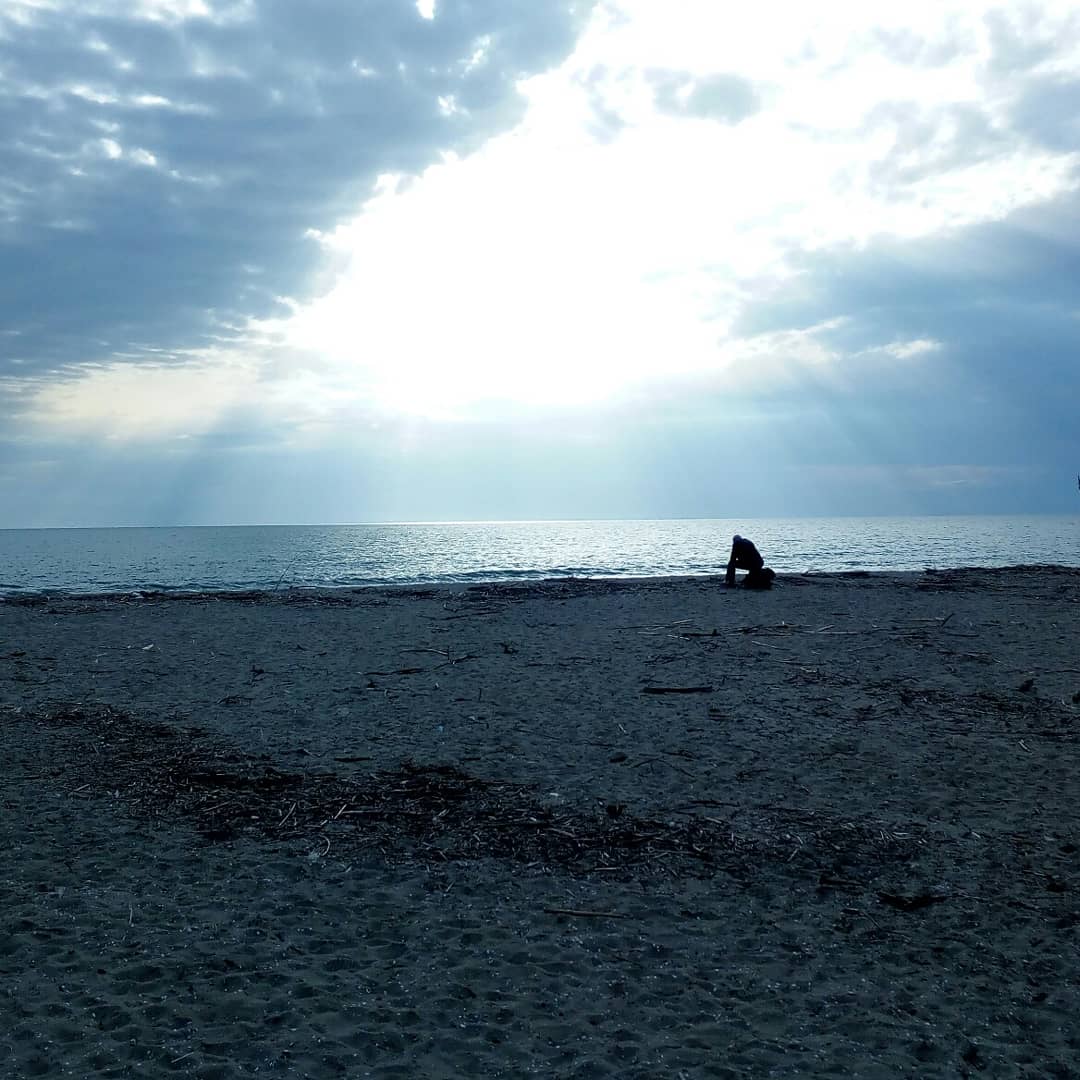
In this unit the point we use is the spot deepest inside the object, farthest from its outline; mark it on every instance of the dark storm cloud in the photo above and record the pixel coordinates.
(157, 177)
(1048, 111)
(999, 299)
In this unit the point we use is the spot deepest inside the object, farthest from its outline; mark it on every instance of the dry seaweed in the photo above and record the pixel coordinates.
(432, 813)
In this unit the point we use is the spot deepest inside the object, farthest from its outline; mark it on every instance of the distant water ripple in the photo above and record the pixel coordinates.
(264, 557)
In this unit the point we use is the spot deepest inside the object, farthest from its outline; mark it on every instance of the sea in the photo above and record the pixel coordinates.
(242, 557)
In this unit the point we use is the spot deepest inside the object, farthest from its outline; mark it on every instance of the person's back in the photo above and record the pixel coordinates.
(745, 556)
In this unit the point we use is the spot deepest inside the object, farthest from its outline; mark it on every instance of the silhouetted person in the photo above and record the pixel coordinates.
(744, 556)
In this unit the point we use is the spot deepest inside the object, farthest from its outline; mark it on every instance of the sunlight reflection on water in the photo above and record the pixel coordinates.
(248, 557)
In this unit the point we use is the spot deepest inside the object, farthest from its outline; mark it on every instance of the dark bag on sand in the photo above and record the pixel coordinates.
(759, 579)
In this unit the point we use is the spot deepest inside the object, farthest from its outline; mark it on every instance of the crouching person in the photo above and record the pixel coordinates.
(745, 556)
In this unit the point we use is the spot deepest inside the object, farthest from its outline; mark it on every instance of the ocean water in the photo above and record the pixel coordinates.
(267, 557)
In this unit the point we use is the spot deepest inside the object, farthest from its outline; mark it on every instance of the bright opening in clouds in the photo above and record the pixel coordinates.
(672, 171)
(707, 260)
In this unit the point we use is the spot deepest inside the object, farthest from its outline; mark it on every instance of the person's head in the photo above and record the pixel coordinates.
(736, 538)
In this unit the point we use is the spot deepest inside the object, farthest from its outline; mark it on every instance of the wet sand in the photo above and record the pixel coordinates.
(574, 829)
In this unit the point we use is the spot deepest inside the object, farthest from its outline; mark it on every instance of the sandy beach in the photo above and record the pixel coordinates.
(576, 829)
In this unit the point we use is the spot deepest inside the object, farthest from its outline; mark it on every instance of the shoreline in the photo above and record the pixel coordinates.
(181, 593)
(578, 828)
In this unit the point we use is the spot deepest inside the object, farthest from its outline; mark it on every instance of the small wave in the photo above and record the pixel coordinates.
(242, 559)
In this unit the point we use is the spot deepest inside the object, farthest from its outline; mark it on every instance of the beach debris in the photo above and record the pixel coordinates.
(421, 813)
(660, 760)
(457, 660)
(466, 614)
(831, 881)
(1026, 686)
(915, 902)
(235, 699)
(450, 661)
(677, 689)
(585, 914)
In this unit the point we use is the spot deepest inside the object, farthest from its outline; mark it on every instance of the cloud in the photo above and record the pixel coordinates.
(728, 98)
(159, 401)
(161, 163)
(998, 301)
(608, 246)
(620, 234)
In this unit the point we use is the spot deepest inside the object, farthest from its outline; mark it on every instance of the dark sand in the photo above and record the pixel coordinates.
(451, 832)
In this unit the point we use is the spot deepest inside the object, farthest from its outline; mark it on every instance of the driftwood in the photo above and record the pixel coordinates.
(580, 913)
(677, 689)
(911, 903)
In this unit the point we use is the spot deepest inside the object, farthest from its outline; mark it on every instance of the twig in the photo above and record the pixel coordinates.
(585, 914)
(669, 764)
(677, 689)
(283, 573)
(466, 614)
(654, 626)
(451, 661)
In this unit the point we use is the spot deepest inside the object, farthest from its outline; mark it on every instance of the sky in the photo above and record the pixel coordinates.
(264, 261)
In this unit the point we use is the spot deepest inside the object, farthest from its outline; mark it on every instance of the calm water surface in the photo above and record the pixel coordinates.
(249, 557)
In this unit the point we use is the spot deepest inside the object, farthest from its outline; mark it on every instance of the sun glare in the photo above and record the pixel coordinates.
(612, 239)
(607, 240)
(501, 278)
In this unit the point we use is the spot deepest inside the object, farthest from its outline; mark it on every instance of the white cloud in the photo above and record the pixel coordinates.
(22, 12)
(88, 93)
(905, 350)
(151, 400)
(611, 240)
(607, 240)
